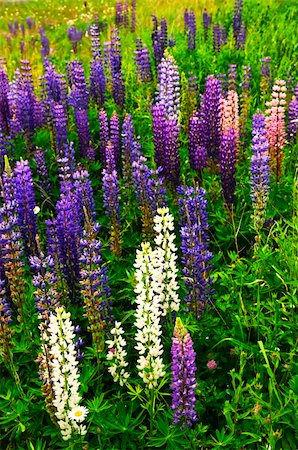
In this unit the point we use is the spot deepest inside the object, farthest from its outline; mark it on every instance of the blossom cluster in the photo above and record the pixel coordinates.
(117, 354)
(60, 369)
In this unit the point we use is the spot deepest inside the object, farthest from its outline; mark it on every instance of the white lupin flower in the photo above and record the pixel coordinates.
(58, 337)
(147, 315)
(165, 282)
(117, 354)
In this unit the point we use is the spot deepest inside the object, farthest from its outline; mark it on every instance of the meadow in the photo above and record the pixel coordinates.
(148, 225)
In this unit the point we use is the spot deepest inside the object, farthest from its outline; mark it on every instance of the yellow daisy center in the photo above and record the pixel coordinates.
(78, 413)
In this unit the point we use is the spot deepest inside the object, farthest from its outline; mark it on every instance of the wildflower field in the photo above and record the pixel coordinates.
(148, 225)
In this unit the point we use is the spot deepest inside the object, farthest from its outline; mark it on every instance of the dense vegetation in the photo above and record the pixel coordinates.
(148, 225)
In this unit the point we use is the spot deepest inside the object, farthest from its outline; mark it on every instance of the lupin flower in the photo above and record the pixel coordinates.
(159, 39)
(42, 171)
(230, 114)
(169, 87)
(84, 191)
(210, 113)
(149, 346)
(117, 354)
(219, 37)
(142, 62)
(149, 191)
(6, 148)
(110, 186)
(241, 38)
(115, 139)
(95, 41)
(60, 129)
(228, 166)
(165, 261)
(103, 134)
(11, 248)
(237, 19)
(260, 171)
(97, 82)
(197, 151)
(46, 295)
(59, 369)
(207, 20)
(24, 194)
(266, 77)
(232, 77)
(74, 37)
(4, 103)
(183, 369)
(94, 283)
(130, 150)
(191, 30)
(194, 247)
(293, 120)
(275, 126)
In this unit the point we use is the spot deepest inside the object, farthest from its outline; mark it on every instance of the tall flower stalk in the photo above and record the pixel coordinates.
(60, 373)
(183, 377)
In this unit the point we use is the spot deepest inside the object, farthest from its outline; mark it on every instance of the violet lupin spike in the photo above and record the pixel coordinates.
(84, 192)
(196, 256)
(115, 139)
(133, 16)
(292, 132)
(211, 115)
(94, 284)
(60, 129)
(24, 194)
(42, 171)
(197, 151)
(159, 119)
(260, 171)
(103, 134)
(110, 186)
(192, 31)
(183, 369)
(97, 82)
(150, 193)
(4, 104)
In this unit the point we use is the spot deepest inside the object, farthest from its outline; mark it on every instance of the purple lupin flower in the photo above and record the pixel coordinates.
(11, 247)
(207, 20)
(84, 192)
(94, 284)
(4, 104)
(228, 166)
(150, 193)
(142, 62)
(219, 37)
(44, 282)
(266, 76)
(110, 186)
(191, 30)
(197, 151)
(169, 87)
(232, 77)
(97, 81)
(260, 170)
(69, 231)
(45, 43)
(237, 19)
(42, 171)
(241, 38)
(60, 129)
(24, 194)
(210, 113)
(74, 37)
(159, 39)
(159, 119)
(119, 89)
(130, 151)
(194, 247)
(82, 121)
(293, 119)
(183, 369)
(115, 139)
(103, 134)
(171, 168)
(95, 41)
